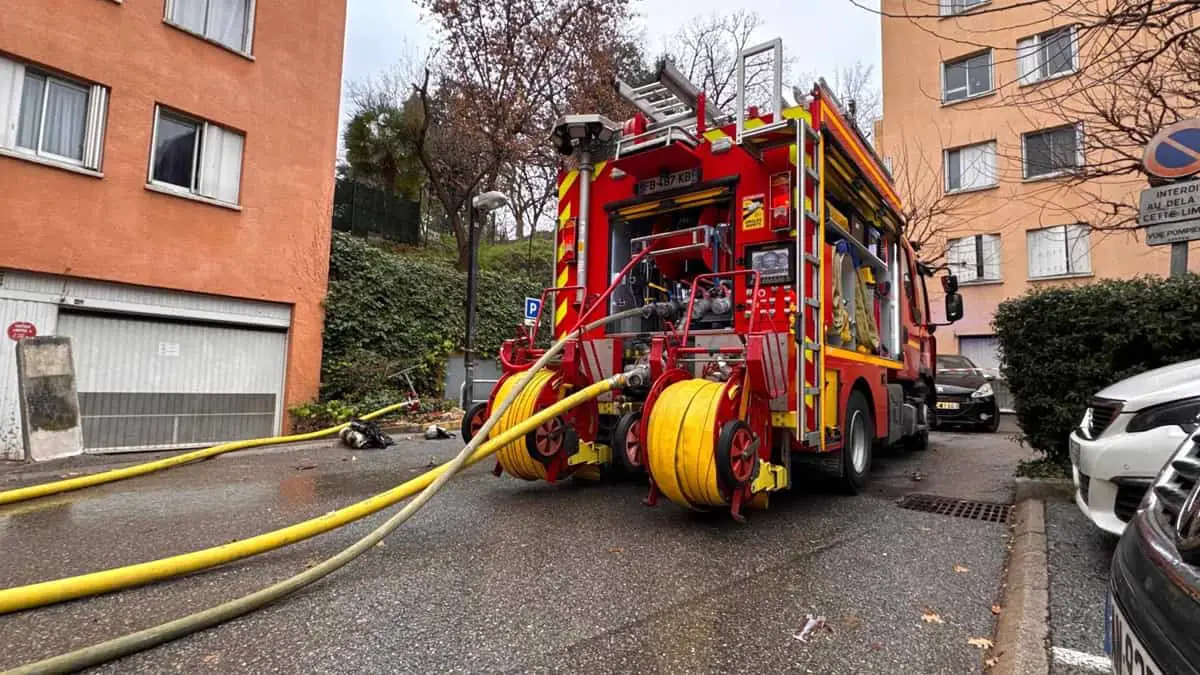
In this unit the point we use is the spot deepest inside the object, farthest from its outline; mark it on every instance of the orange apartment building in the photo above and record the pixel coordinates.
(166, 179)
(954, 130)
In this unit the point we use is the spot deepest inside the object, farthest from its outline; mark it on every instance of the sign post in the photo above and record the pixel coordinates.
(1170, 213)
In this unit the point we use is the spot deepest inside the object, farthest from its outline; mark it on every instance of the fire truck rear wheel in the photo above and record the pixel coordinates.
(627, 443)
(858, 434)
(473, 421)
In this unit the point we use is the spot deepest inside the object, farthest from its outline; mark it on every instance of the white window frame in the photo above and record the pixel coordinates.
(948, 7)
(981, 270)
(963, 59)
(193, 191)
(1031, 57)
(995, 181)
(247, 46)
(1083, 232)
(12, 86)
(1054, 173)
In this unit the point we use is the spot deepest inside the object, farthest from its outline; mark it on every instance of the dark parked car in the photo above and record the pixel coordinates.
(964, 395)
(1154, 605)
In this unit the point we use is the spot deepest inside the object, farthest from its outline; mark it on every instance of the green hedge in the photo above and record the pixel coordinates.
(388, 311)
(1062, 345)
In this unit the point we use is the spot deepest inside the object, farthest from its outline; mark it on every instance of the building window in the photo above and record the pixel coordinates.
(967, 77)
(1051, 152)
(1047, 55)
(226, 22)
(971, 167)
(974, 258)
(952, 7)
(194, 156)
(1057, 251)
(51, 117)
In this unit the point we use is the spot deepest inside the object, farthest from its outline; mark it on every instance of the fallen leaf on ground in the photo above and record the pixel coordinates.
(931, 616)
(982, 643)
(990, 662)
(851, 621)
(381, 545)
(616, 549)
(961, 568)
(996, 610)
(305, 467)
(211, 658)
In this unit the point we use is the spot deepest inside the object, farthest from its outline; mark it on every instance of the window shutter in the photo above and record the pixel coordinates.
(93, 135)
(12, 80)
(221, 164)
(991, 256)
(1079, 248)
(1027, 61)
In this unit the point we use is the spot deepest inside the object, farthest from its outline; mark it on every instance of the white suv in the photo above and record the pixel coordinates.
(1129, 431)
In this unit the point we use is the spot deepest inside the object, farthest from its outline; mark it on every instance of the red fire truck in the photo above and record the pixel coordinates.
(786, 325)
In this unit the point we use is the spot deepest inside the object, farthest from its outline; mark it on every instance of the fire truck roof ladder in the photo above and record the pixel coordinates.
(671, 99)
(775, 92)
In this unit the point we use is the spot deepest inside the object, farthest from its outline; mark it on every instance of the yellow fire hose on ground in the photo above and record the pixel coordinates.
(55, 487)
(36, 595)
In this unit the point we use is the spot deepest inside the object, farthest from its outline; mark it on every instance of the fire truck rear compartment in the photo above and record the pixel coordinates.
(784, 314)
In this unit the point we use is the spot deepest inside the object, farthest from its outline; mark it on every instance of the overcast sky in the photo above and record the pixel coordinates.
(821, 34)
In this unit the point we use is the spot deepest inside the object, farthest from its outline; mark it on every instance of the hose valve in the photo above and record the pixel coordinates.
(638, 376)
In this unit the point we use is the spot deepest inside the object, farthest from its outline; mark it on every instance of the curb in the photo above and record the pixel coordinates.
(1023, 629)
(1044, 489)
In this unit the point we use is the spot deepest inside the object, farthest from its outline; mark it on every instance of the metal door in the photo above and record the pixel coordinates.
(153, 383)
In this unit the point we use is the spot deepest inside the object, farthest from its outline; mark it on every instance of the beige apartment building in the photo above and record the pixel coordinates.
(994, 172)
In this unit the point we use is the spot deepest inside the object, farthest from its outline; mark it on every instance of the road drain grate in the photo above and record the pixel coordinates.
(960, 508)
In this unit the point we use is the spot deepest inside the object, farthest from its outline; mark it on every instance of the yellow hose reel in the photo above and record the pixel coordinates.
(551, 451)
(708, 446)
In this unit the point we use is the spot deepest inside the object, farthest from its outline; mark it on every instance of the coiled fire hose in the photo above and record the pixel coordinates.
(431, 481)
(55, 487)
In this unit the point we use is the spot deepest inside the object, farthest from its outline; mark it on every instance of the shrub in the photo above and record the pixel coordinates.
(385, 312)
(1059, 346)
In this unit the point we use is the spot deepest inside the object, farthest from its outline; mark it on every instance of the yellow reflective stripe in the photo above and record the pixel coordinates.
(562, 278)
(560, 313)
(564, 215)
(715, 135)
(567, 182)
(600, 169)
(797, 112)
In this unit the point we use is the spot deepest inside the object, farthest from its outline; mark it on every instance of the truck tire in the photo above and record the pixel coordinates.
(858, 434)
(920, 440)
(627, 442)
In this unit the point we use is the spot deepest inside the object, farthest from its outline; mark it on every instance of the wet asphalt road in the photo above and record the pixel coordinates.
(498, 575)
(1078, 557)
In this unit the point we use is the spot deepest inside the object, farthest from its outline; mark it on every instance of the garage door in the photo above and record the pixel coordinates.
(150, 384)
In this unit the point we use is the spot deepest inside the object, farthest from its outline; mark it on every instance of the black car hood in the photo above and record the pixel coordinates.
(966, 379)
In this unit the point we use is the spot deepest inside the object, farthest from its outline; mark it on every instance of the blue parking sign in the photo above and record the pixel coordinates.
(532, 306)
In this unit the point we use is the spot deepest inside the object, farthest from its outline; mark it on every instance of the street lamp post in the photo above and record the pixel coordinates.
(477, 208)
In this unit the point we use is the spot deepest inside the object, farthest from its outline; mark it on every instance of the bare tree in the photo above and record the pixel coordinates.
(857, 92)
(504, 72)
(706, 52)
(1134, 68)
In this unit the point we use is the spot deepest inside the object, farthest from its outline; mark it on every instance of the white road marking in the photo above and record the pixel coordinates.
(1083, 660)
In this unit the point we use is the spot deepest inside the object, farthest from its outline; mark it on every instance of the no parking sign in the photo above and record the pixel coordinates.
(1174, 152)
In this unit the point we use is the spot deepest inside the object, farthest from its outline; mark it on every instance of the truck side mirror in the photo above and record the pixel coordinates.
(950, 284)
(954, 306)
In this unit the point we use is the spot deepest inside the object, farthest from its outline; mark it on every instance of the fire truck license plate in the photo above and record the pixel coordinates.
(668, 181)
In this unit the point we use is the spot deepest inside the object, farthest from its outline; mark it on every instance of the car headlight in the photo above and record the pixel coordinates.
(984, 391)
(1182, 413)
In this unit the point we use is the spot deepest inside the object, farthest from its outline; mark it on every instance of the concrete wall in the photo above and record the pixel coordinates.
(49, 402)
(285, 101)
(486, 369)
